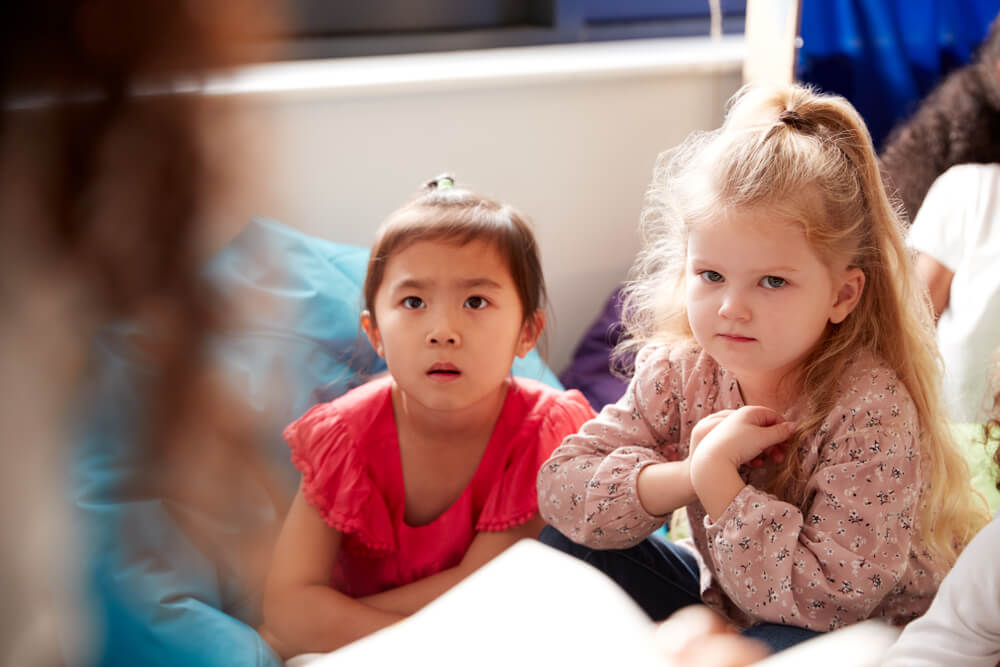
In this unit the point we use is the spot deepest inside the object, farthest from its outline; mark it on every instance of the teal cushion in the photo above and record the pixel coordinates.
(158, 598)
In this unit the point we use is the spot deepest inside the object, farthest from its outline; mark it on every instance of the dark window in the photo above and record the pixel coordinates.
(330, 28)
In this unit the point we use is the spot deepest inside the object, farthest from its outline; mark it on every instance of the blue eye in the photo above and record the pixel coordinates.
(476, 302)
(413, 303)
(711, 276)
(772, 282)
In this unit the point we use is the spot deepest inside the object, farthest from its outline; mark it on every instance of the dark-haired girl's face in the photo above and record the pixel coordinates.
(449, 322)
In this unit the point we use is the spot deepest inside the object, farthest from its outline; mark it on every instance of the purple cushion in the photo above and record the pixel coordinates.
(590, 369)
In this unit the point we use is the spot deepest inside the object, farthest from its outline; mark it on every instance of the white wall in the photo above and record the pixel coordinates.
(568, 134)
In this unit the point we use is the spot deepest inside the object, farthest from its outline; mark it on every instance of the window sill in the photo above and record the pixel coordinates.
(487, 68)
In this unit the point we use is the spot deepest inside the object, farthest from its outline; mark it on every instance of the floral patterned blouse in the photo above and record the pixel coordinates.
(852, 552)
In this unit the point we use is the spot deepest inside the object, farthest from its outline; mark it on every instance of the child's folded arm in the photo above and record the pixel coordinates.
(831, 566)
(589, 488)
(302, 612)
(410, 598)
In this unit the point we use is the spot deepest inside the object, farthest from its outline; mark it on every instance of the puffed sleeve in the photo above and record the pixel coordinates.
(514, 500)
(834, 563)
(336, 481)
(587, 488)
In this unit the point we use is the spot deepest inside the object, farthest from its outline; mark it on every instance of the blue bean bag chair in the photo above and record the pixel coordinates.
(156, 597)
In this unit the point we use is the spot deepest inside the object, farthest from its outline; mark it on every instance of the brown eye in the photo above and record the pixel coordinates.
(476, 302)
(413, 303)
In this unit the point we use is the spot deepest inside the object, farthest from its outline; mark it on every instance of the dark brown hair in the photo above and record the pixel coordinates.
(959, 122)
(454, 214)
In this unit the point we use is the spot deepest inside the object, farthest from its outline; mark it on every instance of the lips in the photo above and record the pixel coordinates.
(443, 370)
(736, 338)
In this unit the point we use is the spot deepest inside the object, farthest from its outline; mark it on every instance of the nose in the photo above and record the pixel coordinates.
(734, 306)
(443, 332)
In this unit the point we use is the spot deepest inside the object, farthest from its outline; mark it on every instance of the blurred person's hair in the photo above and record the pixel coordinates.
(106, 185)
(957, 123)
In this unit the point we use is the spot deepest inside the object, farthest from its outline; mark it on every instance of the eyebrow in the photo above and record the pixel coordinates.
(468, 283)
(771, 270)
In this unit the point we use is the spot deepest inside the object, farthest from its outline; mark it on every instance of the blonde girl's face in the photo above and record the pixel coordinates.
(758, 297)
(448, 321)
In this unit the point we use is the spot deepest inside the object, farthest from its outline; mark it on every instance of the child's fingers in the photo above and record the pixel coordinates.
(722, 651)
(687, 625)
(758, 415)
(695, 636)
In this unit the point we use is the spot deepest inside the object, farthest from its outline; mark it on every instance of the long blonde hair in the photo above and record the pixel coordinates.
(810, 158)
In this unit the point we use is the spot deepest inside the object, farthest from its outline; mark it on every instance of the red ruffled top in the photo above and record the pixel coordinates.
(348, 453)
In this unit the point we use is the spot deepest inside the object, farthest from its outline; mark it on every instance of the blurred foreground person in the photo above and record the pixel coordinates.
(107, 202)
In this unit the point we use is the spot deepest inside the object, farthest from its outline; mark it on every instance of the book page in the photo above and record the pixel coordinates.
(532, 605)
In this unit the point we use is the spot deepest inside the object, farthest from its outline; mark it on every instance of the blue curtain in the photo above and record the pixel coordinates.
(886, 55)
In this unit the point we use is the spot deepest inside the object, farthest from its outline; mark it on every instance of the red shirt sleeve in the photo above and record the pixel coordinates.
(335, 477)
(552, 416)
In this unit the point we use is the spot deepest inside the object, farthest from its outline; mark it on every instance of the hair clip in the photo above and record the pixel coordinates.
(795, 120)
(442, 182)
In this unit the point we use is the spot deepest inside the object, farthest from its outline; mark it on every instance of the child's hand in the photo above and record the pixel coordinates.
(705, 426)
(696, 636)
(741, 436)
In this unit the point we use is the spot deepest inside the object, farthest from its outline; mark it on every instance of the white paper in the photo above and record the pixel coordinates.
(532, 605)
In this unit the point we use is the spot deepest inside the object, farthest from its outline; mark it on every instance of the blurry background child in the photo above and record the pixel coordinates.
(958, 123)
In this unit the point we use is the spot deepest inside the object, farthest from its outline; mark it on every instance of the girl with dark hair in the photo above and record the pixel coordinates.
(412, 481)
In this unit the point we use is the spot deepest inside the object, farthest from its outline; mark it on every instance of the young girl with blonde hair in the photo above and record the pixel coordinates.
(786, 391)
(414, 480)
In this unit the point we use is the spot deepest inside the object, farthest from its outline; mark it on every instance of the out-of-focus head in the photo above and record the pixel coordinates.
(108, 179)
(987, 56)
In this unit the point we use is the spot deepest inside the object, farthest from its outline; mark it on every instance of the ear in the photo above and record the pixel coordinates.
(374, 337)
(530, 331)
(848, 294)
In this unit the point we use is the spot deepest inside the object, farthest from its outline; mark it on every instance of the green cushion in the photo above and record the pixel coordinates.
(980, 458)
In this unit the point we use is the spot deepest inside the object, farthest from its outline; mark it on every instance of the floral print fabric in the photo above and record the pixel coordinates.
(852, 552)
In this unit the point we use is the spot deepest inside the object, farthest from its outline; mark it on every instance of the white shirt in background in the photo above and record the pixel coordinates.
(958, 226)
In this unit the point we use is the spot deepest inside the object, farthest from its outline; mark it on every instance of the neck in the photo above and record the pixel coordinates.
(776, 393)
(448, 425)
